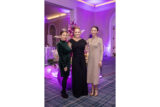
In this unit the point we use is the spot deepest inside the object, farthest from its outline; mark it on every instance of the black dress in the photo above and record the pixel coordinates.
(79, 69)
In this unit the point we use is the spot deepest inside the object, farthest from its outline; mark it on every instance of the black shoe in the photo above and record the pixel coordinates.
(64, 94)
(77, 96)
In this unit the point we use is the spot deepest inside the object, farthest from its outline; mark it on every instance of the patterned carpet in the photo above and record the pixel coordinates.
(106, 97)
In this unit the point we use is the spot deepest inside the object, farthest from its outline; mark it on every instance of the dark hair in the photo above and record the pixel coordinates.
(62, 32)
(95, 27)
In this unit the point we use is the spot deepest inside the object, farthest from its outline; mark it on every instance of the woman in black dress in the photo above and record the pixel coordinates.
(79, 68)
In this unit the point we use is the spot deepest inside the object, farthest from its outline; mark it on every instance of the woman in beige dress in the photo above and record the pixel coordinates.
(95, 57)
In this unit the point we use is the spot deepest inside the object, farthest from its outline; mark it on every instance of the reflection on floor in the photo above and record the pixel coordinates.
(106, 97)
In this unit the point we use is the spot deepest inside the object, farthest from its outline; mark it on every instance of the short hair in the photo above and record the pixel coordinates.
(95, 27)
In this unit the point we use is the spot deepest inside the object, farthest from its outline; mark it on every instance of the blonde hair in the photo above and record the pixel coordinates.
(77, 28)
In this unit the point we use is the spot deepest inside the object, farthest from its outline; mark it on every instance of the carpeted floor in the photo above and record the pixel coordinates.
(106, 97)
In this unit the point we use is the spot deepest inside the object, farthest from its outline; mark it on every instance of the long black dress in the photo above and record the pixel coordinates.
(79, 69)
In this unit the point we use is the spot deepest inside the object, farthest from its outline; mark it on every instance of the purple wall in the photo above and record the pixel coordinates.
(102, 20)
(86, 19)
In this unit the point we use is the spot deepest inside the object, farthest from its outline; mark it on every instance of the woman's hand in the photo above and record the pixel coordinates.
(100, 63)
(69, 44)
(86, 49)
(65, 69)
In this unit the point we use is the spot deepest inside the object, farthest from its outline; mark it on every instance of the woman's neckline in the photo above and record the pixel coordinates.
(62, 41)
(78, 40)
(95, 37)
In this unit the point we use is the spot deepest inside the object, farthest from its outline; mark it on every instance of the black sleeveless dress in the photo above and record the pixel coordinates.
(79, 69)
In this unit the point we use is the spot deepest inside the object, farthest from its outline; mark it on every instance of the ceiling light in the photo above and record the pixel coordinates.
(86, 3)
(105, 3)
(56, 16)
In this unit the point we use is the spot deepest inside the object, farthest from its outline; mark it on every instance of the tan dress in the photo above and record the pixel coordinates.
(95, 55)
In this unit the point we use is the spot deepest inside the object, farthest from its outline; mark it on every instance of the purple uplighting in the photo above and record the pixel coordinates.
(69, 80)
(49, 70)
(52, 71)
(107, 50)
(100, 76)
(45, 19)
(96, 1)
(64, 10)
(54, 74)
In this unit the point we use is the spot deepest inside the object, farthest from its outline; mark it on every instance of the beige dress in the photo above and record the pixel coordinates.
(95, 55)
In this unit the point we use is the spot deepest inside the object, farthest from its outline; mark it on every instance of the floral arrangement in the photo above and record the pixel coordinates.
(70, 31)
(71, 28)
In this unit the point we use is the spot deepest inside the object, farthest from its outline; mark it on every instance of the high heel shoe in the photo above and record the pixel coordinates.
(96, 93)
(92, 93)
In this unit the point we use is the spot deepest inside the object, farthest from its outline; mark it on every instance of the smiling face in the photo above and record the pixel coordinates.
(64, 36)
(77, 33)
(94, 31)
